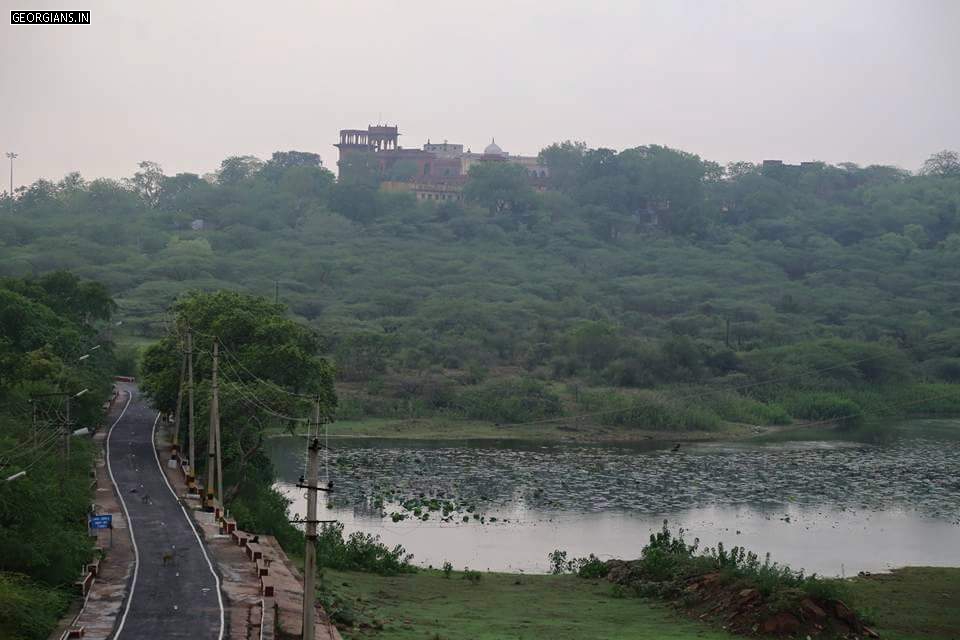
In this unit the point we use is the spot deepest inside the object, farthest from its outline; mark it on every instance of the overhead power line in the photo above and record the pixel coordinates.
(268, 383)
(26, 450)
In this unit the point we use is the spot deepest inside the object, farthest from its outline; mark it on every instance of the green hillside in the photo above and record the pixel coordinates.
(648, 287)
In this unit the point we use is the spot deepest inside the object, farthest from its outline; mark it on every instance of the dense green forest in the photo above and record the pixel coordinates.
(647, 287)
(54, 343)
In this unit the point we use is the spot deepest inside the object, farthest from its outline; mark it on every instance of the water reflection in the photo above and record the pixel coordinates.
(829, 506)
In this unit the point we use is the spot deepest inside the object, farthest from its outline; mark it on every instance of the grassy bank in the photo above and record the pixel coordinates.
(518, 410)
(428, 605)
(915, 603)
(439, 428)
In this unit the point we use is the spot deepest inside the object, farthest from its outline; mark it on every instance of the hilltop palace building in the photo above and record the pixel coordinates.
(438, 171)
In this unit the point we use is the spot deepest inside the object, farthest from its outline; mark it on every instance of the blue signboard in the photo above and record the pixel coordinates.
(101, 522)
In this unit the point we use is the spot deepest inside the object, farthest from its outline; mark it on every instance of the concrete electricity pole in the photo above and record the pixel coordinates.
(193, 459)
(310, 556)
(213, 446)
(216, 403)
(177, 414)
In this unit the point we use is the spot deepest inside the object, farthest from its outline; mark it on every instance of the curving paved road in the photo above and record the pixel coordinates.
(176, 597)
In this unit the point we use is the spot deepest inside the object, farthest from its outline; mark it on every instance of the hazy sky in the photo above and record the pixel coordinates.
(187, 83)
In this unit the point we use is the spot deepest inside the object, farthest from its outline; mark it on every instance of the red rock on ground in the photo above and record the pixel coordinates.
(781, 624)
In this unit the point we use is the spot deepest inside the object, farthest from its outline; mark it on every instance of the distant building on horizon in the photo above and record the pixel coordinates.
(437, 171)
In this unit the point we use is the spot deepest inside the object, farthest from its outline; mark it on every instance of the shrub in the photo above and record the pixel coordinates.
(510, 400)
(734, 407)
(264, 510)
(653, 410)
(360, 552)
(558, 562)
(823, 406)
(591, 567)
(668, 560)
(472, 576)
(28, 610)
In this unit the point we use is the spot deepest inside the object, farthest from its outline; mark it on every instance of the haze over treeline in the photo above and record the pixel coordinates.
(649, 271)
(187, 85)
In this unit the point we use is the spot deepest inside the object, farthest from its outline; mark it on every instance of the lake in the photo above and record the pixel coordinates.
(829, 505)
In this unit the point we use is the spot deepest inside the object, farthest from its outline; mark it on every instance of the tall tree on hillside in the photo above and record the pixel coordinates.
(565, 162)
(943, 163)
(148, 182)
(236, 169)
(282, 161)
(502, 188)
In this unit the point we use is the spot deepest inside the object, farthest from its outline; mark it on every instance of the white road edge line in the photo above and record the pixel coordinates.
(163, 474)
(133, 540)
(107, 456)
(263, 615)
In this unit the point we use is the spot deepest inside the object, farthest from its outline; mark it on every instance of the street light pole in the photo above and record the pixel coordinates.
(13, 156)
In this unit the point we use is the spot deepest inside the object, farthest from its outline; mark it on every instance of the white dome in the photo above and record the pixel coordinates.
(493, 149)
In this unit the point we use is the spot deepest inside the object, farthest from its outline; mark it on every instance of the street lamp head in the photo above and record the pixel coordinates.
(12, 155)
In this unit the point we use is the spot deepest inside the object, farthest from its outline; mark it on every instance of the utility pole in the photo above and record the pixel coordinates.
(310, 556)
(193, 459)
(68, 432)
(216, 403)
(212, 444)
(177, 413)
(67, 435)
(66, 446)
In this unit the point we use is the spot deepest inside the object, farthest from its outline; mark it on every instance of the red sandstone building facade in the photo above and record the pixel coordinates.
(437, 171)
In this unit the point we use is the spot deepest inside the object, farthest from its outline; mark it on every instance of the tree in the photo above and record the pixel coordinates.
(236, 169)
(111, 198)
(565, 162)
(356, 201)
(86, 302)
(307, 181)
(174, 189)
(502, 188)
(284, 160)
(263, 353)
(362, 355)
(148, 182)
(281, 161)
(943, 164)
(737, 170)
(72, 184)
(593, 343)
(360, 167)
